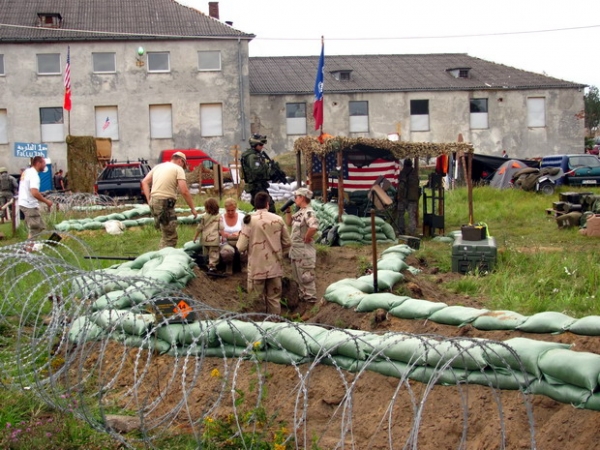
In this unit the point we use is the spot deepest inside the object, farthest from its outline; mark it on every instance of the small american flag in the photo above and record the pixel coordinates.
(106, 123)
(358, 178)
(67, 101)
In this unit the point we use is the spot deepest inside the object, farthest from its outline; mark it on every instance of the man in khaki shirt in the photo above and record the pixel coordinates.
(166, 179)
(265, 237)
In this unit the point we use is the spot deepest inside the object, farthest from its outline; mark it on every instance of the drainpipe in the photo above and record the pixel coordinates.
(241, 79)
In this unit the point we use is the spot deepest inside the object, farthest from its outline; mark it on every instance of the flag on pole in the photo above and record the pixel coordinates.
(67, 102)
(318, 105)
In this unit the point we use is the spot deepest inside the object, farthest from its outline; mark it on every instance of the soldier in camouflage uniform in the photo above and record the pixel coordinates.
(8, 189)
(303, 253)
(408, 196)
(265, 237)
(256, 168)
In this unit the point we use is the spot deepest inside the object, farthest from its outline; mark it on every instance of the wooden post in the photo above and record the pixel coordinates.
(470, 187)
(324, 178)
(299, 169)
(340, 162)
(416, 167)
(374, 250)
(238, 170)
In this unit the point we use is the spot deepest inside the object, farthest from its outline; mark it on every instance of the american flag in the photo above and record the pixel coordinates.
(67, 101)
(357, 178)
(106, 123)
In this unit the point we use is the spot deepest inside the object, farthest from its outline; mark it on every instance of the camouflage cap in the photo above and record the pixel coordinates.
(304, 192)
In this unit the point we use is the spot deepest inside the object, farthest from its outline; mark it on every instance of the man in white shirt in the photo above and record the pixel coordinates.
(30, 196)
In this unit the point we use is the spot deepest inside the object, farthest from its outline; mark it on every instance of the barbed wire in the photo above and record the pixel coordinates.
(259, 374)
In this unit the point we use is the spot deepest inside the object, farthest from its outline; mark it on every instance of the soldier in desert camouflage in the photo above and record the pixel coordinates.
(303, 253)
(265, 237)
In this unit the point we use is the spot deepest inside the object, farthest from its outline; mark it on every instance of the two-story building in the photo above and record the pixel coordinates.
(154, 75)
(149, 74)
(419, 98)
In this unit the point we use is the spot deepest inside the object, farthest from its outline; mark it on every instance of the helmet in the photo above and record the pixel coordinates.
(257, 139)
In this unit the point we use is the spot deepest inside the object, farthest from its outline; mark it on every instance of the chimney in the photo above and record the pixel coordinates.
(213, 10)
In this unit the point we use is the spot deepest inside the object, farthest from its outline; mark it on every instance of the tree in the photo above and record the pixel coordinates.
(592, 109)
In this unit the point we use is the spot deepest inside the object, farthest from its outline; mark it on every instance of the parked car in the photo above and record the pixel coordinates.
(579, 169)
(122, 180)
(197, 158)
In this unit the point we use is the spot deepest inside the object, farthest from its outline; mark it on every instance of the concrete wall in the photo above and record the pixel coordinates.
(449, 115)
(132, 89)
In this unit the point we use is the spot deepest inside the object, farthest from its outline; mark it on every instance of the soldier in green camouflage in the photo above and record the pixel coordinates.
(303, 253)
(256, 169)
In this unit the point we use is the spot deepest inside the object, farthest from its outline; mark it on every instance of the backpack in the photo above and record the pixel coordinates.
(5, 182)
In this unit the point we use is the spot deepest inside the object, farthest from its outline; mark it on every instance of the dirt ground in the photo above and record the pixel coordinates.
(381, 412)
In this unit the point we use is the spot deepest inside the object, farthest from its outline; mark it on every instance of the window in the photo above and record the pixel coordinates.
(536, 112)
(3, 127)
(419, 115)
(342, 75)
(161, 125)
(295, 117)
(2, 65)
(104, 62)
(479, 113)
(158, 62)
(359, 117)
(107, 122)
(209, 60)
(48, 64)
(49, 20)
(51, 120)
(211, 119)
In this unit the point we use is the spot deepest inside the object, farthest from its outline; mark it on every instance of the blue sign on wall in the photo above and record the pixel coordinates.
(29, 150)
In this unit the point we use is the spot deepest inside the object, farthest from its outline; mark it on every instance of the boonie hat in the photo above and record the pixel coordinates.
(182, 156)
(304, 192)
(3, 169)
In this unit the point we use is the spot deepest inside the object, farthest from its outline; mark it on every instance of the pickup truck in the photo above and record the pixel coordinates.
(122, 180)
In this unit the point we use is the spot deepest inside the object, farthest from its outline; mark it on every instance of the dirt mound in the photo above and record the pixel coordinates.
(374, 410)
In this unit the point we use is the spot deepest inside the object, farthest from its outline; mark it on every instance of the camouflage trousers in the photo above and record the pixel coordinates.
(4, 199)
(267, 290)
(303, 271)
(165, 219)
(410, 207)
(33, 219)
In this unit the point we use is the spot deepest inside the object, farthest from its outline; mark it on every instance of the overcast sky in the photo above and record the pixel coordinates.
(554, 37)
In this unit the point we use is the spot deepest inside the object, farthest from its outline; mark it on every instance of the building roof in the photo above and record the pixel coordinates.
(392, 73)
(109, 20)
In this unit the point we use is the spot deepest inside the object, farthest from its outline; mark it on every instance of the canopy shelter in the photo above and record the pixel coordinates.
(365, 151)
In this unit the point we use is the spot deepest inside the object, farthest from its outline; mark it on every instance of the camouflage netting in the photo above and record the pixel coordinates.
(82, 163)
(309, 145)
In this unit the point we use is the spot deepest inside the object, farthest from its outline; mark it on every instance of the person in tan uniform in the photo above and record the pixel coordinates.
(303, 253)
(209, 230)
(166, 179)
(265, 237)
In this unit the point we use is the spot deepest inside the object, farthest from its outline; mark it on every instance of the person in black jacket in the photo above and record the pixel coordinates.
(407, 197)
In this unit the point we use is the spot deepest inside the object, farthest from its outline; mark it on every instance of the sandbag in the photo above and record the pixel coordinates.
(239, 333)
(350, 228)
(519, 354)
(345, 295)
(565, 393)
(352, 220)
(360, 285)
(401, 248)
(83, 329)
(457, 353)
(386, 279)
(546, 322)
(446, 377)
(390, 368)
(297, 339)
(350, 343)
(561, 366)
(154, 344)
(499, 320)
(456, 315)
(416, 309)
(586, 326)
(500, 379)
(393, 264)
(400, 347)
(351, 236)
(385, 300)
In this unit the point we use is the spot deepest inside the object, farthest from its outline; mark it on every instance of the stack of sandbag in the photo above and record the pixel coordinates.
(357, 230)
(282, 192)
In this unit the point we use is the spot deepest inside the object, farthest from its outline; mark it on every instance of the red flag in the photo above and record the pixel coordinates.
(67, 102)
(318, 106)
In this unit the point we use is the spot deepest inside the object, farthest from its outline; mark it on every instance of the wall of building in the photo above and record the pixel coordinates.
(449, 116)
(132, 89)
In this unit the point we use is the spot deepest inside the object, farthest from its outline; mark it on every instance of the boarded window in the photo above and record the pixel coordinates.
(359, 116)
(161, 124)
(419, 115)
(479, 113)
(211, 119)
(295, 114)
(536, 112)
(209, 61)
(3, 127)
(107, 122)
(52, 125)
